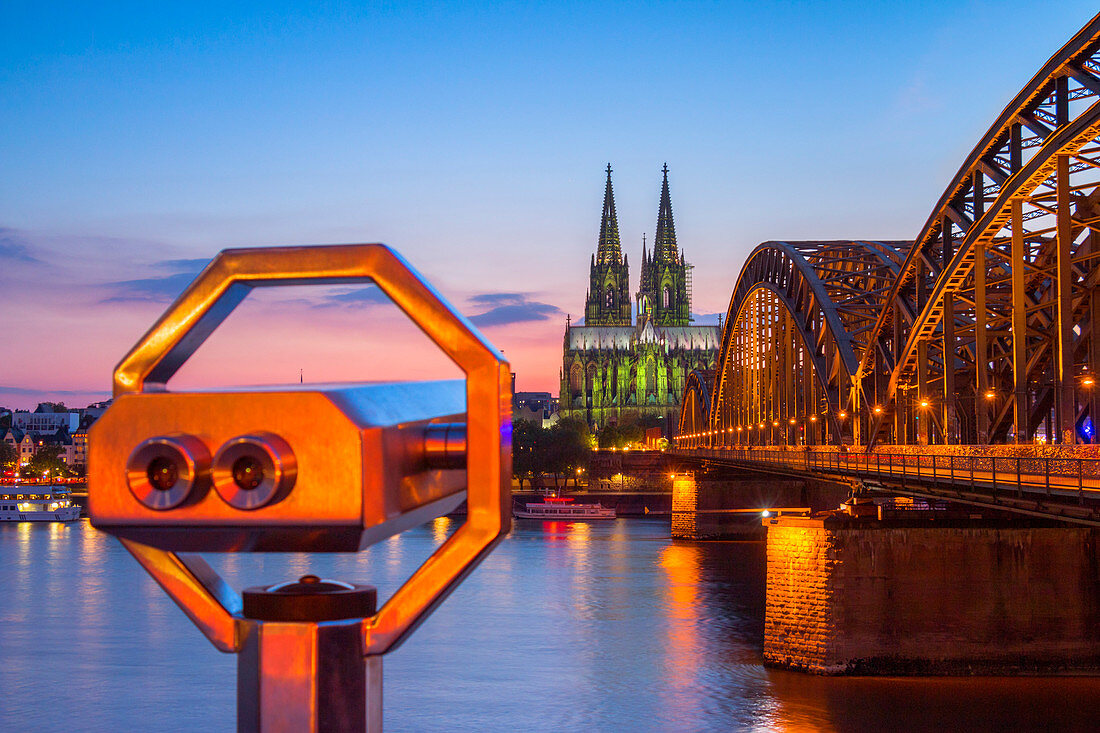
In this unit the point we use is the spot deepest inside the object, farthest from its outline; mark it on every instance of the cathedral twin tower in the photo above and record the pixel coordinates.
(618, 371)
(664, 293)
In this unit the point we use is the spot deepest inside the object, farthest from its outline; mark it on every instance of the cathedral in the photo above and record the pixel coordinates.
(618, 369)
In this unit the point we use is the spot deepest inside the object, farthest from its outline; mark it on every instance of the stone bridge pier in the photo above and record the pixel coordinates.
(899, 590)
(863, 596)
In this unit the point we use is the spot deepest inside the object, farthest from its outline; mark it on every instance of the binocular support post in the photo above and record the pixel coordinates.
(307, 676)
(301, 675)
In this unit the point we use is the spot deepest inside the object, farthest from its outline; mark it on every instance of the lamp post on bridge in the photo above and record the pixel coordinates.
(841, 417)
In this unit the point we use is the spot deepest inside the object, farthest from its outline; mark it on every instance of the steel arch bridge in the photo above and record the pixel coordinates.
(984, 329)
(695, 410)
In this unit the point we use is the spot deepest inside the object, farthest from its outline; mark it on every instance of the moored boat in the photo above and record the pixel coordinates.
(563, 509)
(37, 504)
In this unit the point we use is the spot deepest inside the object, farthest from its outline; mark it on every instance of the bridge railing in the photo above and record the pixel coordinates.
(1056, 477)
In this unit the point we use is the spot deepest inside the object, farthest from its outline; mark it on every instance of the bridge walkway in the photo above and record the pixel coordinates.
(1066, 488)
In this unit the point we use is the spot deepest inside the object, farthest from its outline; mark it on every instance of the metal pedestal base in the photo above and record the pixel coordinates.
(298, 677)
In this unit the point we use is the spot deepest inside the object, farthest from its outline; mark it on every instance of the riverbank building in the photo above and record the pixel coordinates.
(622, 364)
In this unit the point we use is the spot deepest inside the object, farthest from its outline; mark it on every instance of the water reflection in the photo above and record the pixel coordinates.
(680, 565)
(441, 528)
(566, 626)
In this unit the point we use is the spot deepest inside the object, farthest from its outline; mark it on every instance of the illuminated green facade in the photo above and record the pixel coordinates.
(616, 369)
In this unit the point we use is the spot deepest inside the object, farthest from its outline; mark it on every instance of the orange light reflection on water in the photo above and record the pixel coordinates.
(91, 578)
(579, 533)
(441, 528)
(689, 641)
(680, 565)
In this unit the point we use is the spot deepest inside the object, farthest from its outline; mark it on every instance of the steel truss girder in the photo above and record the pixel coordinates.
(966, 330)
(832, 292)
(990, 316)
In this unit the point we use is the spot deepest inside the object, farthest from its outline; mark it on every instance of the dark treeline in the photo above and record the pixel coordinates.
(559, 450)
(563, 449)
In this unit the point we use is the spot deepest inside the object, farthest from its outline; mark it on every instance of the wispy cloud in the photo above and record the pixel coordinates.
(180, 273)
(162, 289)
(14, 249)
(370, 295)
(507, 308)
(37, 392)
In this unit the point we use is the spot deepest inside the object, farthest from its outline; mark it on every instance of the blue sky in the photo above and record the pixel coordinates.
(137, 140)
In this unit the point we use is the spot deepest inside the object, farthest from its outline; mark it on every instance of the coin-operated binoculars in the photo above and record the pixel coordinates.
(302, 469)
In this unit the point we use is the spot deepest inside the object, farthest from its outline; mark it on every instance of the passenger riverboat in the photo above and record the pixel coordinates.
(37, 504)
(563, 509)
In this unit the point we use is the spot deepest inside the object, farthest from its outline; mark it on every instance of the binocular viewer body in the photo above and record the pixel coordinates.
(303, 468)
(317, 468)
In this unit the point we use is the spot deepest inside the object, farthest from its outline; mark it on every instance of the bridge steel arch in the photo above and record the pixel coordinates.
(695, 410)
(986, 328)
(796, 323)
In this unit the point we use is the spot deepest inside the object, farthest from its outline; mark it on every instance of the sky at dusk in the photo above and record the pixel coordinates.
(138, 140)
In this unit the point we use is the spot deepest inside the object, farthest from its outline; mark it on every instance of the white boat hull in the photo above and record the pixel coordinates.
(64, 514)
(564, 512)
(31, 503)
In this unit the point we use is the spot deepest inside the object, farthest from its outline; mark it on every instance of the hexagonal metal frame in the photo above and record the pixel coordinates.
(205, 304)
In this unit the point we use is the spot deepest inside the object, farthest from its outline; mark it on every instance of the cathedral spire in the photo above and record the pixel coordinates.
(664, 244)
(609, 249)
(608, 300)
(665, 287)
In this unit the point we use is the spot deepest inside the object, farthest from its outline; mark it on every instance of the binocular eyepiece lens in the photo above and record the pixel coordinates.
(163, 473)
(252, 471)
(248, 473)
(168, 471)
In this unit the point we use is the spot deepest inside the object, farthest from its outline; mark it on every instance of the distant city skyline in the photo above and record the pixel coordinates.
(137, 142)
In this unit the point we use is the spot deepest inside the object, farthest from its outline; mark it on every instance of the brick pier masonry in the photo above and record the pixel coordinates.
(848, 596)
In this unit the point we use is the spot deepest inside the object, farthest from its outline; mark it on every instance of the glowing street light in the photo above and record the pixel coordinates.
(878, 409)
(842, 414)
(990, 394)
(925, 404)
(1088, 381)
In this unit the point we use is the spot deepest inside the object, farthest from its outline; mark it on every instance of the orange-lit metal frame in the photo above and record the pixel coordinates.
(204, 597)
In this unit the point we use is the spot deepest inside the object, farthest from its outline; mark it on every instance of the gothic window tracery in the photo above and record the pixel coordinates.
(576, 378)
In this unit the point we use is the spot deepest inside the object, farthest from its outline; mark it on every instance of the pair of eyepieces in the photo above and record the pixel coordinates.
(248, 472)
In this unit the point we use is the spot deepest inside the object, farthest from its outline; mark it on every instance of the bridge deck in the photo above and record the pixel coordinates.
(1061, 487)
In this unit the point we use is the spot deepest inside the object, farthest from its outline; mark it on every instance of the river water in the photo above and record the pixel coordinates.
(565, 627)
